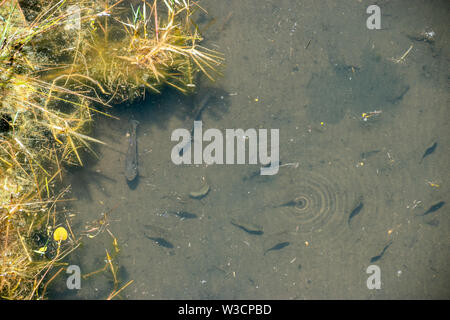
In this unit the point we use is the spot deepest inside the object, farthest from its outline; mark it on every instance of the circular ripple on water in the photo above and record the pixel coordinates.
(314, 199)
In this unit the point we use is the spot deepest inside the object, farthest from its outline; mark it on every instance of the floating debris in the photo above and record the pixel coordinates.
(426, 36)
(367, 115)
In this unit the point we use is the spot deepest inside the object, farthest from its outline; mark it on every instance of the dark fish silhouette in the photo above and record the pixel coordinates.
(201, 106)
(131, 161)
(253, 232)
(292, 203)
(299, 203)
(433, 208)
(184, 214)
(378, 257)
(197, 117)
(429, 151)
(278, 246)
(257, 173)
(161, 242)
(355, 211)
(367, 154)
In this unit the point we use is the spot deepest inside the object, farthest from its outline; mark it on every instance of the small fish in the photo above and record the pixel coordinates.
(252, 175)
(201, 106)
(185, 147)
(131, 160)
(184, 214)
(367, 154)
(197, 117)
(249, 231)
(299, 203)
(433, 223)
(291, 203)
(257, 173)
(378, 257)
(429, 151)
(278, 246)
(161, 242)
(355, 211)
(433, 208)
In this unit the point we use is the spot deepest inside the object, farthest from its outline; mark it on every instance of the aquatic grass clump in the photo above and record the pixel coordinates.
(36, 138)
(155, 45)
(29, 253)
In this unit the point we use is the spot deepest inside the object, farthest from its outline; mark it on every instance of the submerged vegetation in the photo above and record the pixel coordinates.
(61, 62)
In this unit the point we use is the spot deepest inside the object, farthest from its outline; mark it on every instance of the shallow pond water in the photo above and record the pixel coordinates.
(310, 69)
